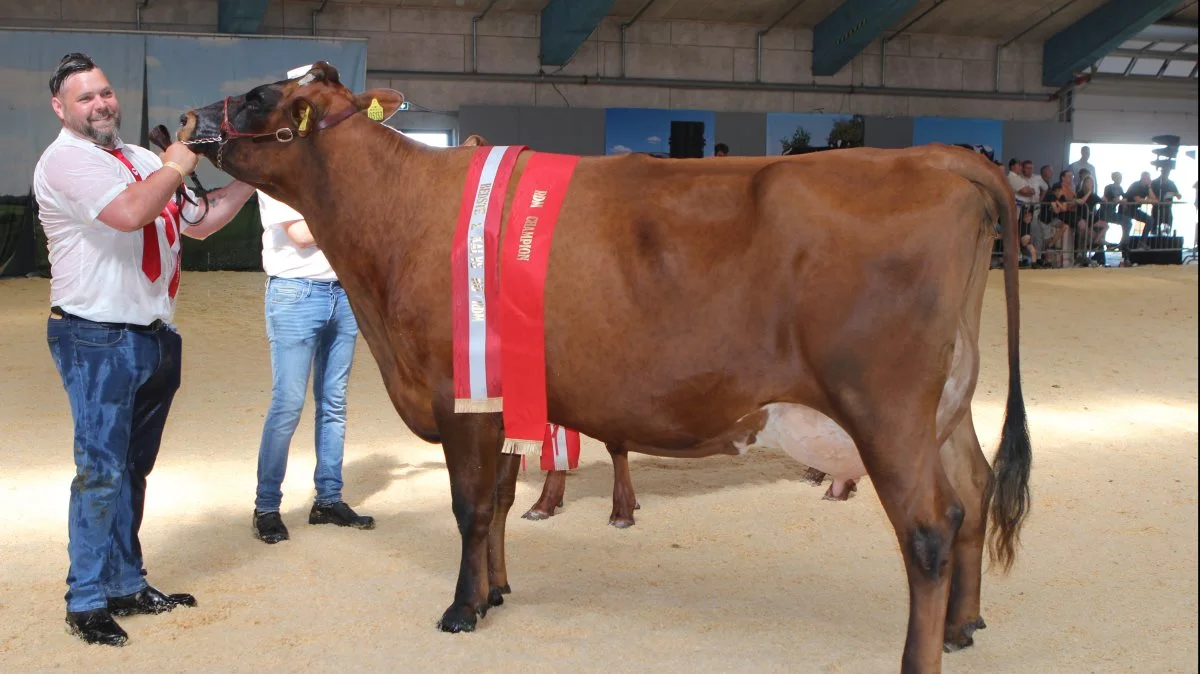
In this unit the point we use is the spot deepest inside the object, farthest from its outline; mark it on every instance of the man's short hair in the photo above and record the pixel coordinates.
(721, 147)
(70, 64)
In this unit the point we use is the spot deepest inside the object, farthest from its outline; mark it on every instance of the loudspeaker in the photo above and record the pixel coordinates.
(687, 140)
(1156, 249)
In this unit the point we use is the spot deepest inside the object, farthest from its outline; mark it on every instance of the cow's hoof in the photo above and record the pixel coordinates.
(458, 619)
(536, 515)
(951, 647)
(621, 522)
(960, 638)
(496, 595)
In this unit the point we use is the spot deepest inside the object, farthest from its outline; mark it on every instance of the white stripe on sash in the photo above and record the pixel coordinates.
(475, 274)
(561, 457)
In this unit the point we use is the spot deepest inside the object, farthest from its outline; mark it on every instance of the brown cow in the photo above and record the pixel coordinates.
(624, 499)
(691, 306)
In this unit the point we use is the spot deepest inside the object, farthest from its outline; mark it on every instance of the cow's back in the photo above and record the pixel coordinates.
(672, 265)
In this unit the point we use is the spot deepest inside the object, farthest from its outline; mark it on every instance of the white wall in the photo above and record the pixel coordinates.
(1134, 112)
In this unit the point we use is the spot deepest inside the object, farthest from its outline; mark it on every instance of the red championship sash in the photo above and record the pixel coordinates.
(474, 289)
(500, 328)
(526, 256)
(560, 449)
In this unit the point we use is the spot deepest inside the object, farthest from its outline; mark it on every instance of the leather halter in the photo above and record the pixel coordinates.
(284, 134)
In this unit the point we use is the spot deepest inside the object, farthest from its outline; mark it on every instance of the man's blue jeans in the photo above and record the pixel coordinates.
(120, 384)
(310, 328)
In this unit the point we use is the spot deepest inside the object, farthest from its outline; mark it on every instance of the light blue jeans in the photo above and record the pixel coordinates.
(311, 329)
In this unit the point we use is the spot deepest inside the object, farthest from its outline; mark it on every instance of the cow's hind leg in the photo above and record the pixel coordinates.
(968, 470)
(552, 496)
(900, 453)
(624, 499)
(471, 443)
(506, 489)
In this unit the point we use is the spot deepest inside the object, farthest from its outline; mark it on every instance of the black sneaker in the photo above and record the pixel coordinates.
(340, 514)
(269, 527)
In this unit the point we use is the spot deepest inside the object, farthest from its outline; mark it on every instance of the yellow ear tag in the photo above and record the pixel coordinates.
(375, 110)
(304, 119)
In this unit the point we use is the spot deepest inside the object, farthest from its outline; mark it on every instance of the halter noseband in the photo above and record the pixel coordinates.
(283, 134)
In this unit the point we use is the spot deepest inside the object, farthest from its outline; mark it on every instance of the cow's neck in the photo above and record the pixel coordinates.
(372, 200)
(380, 171)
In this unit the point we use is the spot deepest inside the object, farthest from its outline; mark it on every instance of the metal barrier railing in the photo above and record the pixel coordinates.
(1069, 234)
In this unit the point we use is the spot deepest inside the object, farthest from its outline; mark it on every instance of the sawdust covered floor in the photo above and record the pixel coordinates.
(735, 564)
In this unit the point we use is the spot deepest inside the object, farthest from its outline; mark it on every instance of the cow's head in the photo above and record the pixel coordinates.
(249, 135)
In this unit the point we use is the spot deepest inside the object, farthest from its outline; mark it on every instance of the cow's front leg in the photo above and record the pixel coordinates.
(551, 498)
(506, 489)
(471, 443)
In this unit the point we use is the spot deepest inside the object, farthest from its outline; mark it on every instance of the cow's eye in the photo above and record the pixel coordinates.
(254, 99)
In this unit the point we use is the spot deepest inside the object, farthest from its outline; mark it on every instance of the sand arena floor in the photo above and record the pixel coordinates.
(735, 564)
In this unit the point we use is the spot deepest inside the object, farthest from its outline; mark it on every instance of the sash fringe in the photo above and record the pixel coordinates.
(485, 406)
(524, 447)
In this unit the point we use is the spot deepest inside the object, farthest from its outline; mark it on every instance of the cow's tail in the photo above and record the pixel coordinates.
(1007, 494)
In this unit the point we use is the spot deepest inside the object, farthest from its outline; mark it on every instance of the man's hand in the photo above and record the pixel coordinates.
(182, 155)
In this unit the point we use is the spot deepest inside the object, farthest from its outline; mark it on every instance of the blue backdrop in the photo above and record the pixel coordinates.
(951, 130)
(649, 130)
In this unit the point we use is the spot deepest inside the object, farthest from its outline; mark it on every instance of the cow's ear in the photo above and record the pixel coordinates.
(304, 114)
(379, 104)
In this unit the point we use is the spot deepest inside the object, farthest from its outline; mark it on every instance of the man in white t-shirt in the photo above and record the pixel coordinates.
(1077, 166)
(1039, 181)
(1021, 181)
(311, 329)
(112, 229)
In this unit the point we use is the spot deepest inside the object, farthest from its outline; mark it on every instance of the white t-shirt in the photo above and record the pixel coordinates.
(280, 255)
(1020, 182)
(1037, 183)
(96, 270)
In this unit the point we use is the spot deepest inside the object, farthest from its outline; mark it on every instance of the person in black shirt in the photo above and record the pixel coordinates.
(1062, 211)
(1114, 211)
(1092, 227)
(1138, 194)
(1162, 213)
